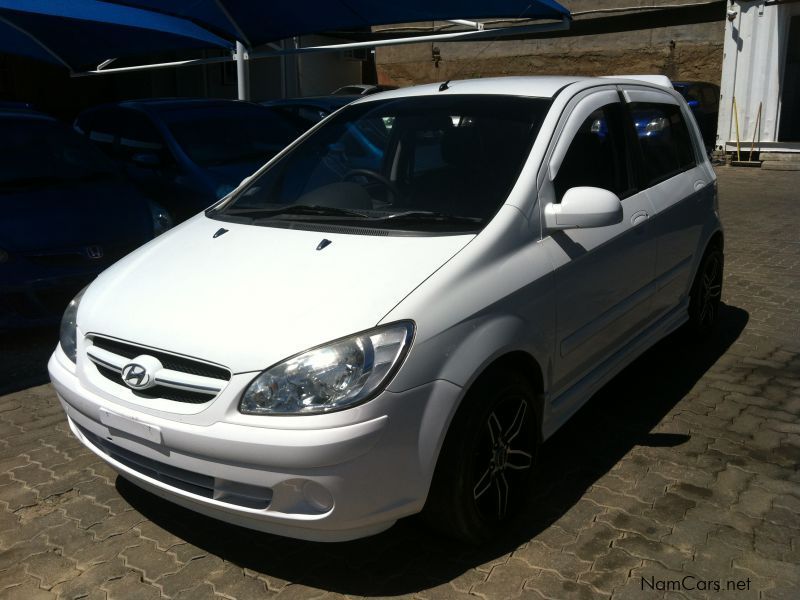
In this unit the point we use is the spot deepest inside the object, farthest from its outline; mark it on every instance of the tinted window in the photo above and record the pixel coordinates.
(139, 135)
(100, 126)
(598, 155)
(664, 138)
(457, 156)
(230, 133)
(40, 152)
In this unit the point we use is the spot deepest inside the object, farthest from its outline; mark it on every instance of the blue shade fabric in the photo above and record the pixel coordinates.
(79, 34)
(255, 22)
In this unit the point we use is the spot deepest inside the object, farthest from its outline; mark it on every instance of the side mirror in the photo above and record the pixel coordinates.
(148, 160)
(584, 207)
(694, 104)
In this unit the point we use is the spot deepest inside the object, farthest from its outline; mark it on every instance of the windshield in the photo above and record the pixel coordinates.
(430, 163)
(40, 152)
(232, 133)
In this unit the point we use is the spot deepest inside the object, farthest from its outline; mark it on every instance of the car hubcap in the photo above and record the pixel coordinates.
(505, 455)
(710, 291)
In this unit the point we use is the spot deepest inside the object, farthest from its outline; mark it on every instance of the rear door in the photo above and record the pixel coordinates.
(678, 185)
(602, 274)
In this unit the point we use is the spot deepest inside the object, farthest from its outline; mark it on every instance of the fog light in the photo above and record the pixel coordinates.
(317, 496)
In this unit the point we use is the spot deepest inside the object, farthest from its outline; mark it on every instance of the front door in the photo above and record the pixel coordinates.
(601, 274)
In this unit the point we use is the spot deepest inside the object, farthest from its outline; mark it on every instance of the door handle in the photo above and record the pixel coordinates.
(699, 185)
(639, 217)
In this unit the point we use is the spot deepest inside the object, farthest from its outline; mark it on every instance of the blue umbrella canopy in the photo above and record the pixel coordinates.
(79, 34)
(256, 22)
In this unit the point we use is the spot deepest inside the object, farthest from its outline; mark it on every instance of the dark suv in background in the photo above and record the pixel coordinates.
(703, 99)
(187, 153)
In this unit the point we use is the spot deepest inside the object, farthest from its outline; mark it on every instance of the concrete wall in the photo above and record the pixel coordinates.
(691, 52)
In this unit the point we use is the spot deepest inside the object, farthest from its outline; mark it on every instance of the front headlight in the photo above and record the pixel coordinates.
(331, 377)
(68, 336)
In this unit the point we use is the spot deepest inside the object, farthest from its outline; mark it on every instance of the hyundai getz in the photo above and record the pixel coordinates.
(396, 311)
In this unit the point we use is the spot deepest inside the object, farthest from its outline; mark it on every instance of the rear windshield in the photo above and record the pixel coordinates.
(228, 134)
(41, 153)
(431, 163)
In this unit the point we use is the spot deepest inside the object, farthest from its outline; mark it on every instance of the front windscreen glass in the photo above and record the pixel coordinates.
(429, 163)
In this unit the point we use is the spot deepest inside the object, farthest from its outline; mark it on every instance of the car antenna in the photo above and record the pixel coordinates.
(444, 86)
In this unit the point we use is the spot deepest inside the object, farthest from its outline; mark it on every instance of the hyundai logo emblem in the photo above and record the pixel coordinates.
(135, 376)
(141, 372)
(94, 252)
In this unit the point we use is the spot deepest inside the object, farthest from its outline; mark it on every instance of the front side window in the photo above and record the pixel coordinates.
(431, 163)
(664, 139)
(598, 156)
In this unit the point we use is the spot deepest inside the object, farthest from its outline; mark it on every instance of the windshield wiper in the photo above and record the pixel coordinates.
(428, 216)
(296, 209)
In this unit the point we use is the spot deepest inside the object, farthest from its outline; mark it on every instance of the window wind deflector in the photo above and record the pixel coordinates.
(295, 209)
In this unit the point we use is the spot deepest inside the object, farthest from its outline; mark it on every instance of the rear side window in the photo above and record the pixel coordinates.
(598, 156)
(664, 137)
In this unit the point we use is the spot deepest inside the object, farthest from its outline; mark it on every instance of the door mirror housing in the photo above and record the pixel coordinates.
(584, 207)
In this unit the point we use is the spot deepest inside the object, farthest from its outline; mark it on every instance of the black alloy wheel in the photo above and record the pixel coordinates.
(502, 456)
(706, 293)
(485, 470)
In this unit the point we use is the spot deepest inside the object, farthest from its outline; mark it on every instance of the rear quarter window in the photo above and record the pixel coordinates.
(664, 138)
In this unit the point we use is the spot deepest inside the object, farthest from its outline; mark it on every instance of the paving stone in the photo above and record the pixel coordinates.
(151, 563)
(104, 550)
(50, 568)
(298, 591)
(233, 583)
(90, 579)
(130, 587)
(622, 521)
(189, 575)
(204, 591)
(641, 547)
(553, 587)
(506, 581)
(594, 541)
(26, 591)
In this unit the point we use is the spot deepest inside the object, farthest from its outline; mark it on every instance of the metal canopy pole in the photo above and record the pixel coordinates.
(242, 72)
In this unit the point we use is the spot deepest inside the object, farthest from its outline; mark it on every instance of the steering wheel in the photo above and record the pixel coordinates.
(377, 177)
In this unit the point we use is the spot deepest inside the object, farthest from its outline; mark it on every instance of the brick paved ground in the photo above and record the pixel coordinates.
(686, 464)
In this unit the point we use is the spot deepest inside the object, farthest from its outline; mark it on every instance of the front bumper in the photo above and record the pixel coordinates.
(334, 482)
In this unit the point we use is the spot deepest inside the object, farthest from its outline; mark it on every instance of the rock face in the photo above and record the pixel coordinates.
(695, 62)
(685, 52)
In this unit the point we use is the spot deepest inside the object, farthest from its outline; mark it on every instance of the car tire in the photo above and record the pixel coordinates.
(705, 295)
(486, 467)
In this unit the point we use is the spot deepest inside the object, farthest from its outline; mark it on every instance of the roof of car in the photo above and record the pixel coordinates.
(320, 101)
(22, 111)
(545, 86)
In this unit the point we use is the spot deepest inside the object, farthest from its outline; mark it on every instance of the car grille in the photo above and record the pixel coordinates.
(170, 361)
(239, 494)
(181, 379)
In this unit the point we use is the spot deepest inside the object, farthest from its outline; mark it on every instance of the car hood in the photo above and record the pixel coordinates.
(104, 213)
(254, 295)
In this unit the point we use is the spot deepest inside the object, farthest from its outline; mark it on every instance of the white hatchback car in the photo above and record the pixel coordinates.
(398, 309)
